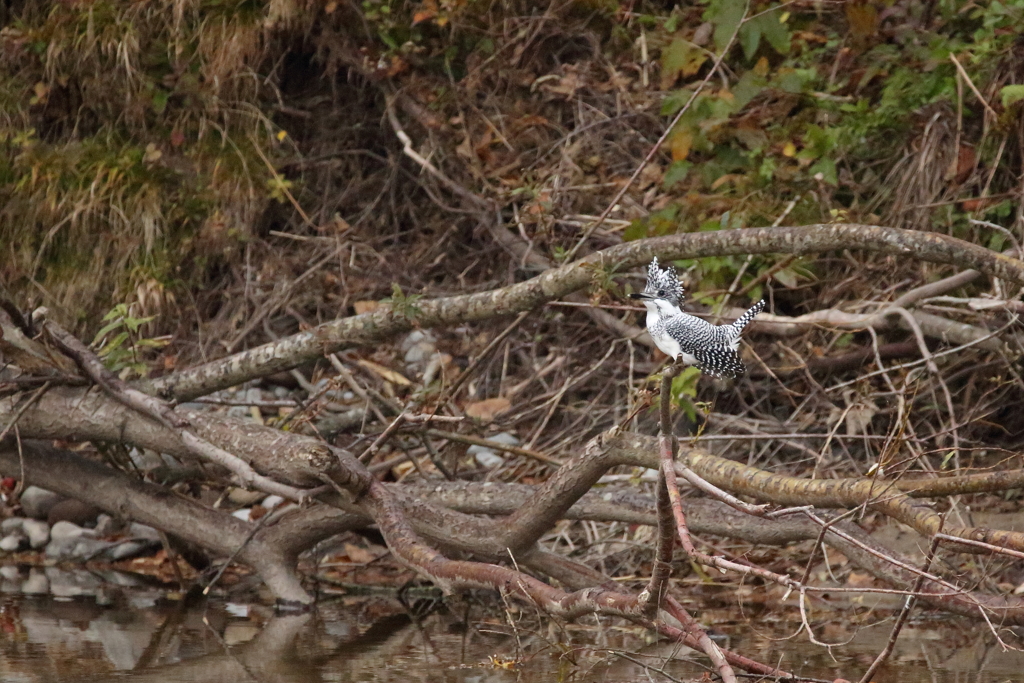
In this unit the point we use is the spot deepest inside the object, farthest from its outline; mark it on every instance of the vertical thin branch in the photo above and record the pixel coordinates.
(904, 613)
(653, 596)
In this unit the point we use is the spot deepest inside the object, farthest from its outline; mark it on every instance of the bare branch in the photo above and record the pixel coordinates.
(384, 322)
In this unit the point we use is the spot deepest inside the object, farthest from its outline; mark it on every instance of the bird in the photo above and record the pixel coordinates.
(687, 338)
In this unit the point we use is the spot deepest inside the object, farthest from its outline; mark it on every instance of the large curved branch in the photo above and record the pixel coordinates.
(386, 321)
(269, 551)
(74, 413)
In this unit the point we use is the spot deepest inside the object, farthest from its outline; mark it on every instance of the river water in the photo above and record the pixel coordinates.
(119, 629)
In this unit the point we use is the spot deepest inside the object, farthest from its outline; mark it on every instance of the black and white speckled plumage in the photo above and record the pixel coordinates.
(712, 348)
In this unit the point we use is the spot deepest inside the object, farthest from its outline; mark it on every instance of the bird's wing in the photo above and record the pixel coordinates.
(691, 333)
(720, 362)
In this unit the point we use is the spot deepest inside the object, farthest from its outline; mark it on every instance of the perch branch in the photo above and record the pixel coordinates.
(385, 322)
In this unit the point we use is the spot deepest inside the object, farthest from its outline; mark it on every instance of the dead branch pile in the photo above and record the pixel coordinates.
(438, 301)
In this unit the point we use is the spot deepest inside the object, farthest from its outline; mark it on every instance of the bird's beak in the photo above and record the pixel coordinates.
(640, 295)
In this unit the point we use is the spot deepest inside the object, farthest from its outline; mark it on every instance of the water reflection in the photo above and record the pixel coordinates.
(118, 628)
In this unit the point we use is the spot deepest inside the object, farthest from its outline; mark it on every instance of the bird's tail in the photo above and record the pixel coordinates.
(741, 322)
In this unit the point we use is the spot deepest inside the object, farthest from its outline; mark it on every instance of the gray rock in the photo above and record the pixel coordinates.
(239, 412)
(37, 502)
(13, 542)
(10, 573)
(71, 543)
(418, 348)
(416, 337)
(488, 457)
(131, 548)
(145, 459)
(11, 524)
(107, 525)
(66, 531)
(38, 533)
(76, 549)
(505, 439)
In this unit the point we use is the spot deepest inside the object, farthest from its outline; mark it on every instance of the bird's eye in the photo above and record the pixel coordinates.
(661, 292)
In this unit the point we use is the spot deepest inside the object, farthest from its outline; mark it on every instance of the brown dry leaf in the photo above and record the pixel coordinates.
(426, 13)
(385, 373)
(365, 306)
(488, 409)
(680, 142)
(859, 580)
(359, 555)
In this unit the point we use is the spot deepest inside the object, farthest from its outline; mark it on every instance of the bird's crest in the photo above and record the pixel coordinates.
(664, 283)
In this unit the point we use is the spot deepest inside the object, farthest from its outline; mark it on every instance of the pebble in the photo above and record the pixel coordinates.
(38, 533)
(419, 347)
(74, 511)
(242, 514)
(488, 457)
(71, 543)
(13, 542)
(143, 533)
(271, 502)
(66, 531)
(11, 524)
(239, 412)
(36, 502)
(132, 548)
(240, 496)
(145, 459)
(107, 525)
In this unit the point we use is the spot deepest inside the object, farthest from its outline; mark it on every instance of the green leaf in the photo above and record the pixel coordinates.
(775, 31)
(680, 58)
(114, 344)
(676, 173)
(118, 311)
(160, 98)
(726, 15)
(685, 383)
(750, 38)
(1011, 94)
(827, 169)
(105, 329)
(134, 324)
(637, 230)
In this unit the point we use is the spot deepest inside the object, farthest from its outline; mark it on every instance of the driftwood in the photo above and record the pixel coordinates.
(493, 530)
